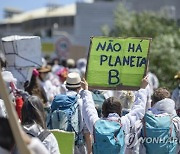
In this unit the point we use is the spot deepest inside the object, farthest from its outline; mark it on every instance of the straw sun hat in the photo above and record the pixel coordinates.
(73, 80)
(44, 69)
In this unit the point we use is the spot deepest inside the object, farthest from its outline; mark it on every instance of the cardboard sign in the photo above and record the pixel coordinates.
(22, 51)
(117, 63)
(65, 141)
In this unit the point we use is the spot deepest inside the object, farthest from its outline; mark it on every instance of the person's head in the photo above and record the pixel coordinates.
(6, 137)
(127, 98)
(111, 105)
(33, 111)
(63, 62)
(73, 81)
(71, 63)
(81, 65)
(8, 78)
(29, 85)
(43, 72)
(160, 94)
(62, 74)
(10, 82)
(55, 61)
(177, 77)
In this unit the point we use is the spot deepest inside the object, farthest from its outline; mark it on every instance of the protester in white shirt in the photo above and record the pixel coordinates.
(33, 121)
(162, 106)
(111, 109)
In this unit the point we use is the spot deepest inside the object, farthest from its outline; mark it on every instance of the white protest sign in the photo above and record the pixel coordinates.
(22, 53)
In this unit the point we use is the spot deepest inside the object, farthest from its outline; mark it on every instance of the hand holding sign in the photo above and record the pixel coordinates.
(84, 84)
(144, 82)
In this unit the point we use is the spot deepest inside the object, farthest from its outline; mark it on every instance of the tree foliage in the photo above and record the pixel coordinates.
(165, 34)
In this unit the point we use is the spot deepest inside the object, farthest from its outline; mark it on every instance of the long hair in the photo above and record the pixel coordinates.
(6, 136)
(33, 111)
(34, 88)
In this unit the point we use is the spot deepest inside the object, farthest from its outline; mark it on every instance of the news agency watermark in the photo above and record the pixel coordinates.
(158, 140)
(133, 139)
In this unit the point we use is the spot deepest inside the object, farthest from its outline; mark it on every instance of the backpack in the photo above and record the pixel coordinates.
(159, 134)
(64, 115)
(108, 137)
(41, 136)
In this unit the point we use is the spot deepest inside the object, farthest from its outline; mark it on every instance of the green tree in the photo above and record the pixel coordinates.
(165, 34)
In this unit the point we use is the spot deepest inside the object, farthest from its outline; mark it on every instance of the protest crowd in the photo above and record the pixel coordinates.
(56, 99)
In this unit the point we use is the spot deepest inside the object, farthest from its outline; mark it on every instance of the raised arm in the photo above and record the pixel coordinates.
(138, 110)
(89, 111)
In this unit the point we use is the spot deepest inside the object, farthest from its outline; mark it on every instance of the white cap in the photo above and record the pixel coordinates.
(8, 77)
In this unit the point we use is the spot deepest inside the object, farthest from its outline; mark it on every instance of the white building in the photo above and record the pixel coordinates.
(78, 21)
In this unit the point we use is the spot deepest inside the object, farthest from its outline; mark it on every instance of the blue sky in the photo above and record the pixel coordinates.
(26, 5)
